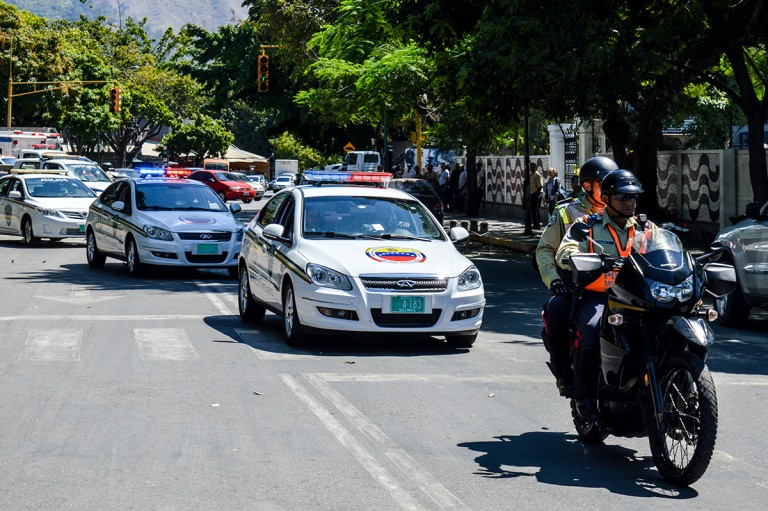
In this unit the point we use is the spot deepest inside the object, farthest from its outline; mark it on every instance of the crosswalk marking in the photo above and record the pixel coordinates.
(164, 344)
(58, 344)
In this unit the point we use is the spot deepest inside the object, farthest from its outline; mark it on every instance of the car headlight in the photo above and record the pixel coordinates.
(326, 277)
(157, 233)
(470, 279)
(49, 212)
(665, 293)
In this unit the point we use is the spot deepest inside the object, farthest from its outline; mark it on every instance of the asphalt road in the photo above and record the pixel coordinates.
(121, 393)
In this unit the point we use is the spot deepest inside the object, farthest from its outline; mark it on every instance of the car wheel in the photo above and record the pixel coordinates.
(222, 196)
(249, 309)
(26, 231)
(461, 341)
(95, 258)
(292, 329)
(135, 266)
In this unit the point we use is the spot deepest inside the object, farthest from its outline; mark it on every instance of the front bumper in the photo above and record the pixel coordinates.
(52, 227)
(189, 253)
(448, 312)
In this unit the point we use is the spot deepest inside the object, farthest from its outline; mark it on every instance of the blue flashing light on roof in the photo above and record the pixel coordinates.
(150, 172)
(327, 176)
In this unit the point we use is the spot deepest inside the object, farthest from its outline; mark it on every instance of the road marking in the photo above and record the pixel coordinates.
(271, 350)
(363, 456)
(52, 344)
(78, 290)
(428, 484)
(110, 317)
(211, 291)
(164, 344)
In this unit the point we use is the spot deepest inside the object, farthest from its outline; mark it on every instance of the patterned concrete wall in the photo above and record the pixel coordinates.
(690, 184)
(504, 176)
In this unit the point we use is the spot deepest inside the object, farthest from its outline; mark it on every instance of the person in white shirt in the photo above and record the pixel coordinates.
(442, 181)
(410, 172)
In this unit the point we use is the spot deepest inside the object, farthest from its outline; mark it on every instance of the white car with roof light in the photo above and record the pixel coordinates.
(86, 171)
(357, 259)
(38, 205)
(163, 222)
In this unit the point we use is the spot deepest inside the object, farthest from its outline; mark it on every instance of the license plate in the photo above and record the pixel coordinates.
(81, 227)
(206, 249)
(407, 304)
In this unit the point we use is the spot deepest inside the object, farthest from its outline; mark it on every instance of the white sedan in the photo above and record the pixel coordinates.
(43, 205)
(357, 259)
(163, 222)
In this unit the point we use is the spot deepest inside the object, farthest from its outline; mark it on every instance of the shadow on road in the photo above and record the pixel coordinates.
(561, 459)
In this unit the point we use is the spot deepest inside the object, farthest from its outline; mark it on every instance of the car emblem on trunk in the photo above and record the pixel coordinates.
(406, 284)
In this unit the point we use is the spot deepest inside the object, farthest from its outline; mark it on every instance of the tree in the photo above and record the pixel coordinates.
(288, 146)
(203, 138)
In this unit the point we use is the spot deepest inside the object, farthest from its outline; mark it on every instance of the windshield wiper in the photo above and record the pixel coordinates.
(404, 237)
(158, 208)
(331, 234)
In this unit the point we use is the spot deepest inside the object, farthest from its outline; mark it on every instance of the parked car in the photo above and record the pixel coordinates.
(258, 189)
(270, 185)
(357, 260)
(423, 191)
(746, 247)
(284, 181)
(43, 205)
(226, 185)
(163, 222)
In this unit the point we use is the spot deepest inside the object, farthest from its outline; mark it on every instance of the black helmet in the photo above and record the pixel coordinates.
(596, 168)
(620, 181)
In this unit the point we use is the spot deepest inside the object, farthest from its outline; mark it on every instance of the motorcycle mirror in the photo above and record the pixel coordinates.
(579, 231)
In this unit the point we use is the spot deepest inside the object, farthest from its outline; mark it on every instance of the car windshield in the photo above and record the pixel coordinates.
(88, 172)
(416, 186)
(226, 176)
(368, 217)
(57, 187)
(177, 196)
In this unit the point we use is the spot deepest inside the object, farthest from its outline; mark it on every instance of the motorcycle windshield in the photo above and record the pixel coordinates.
(661, 255)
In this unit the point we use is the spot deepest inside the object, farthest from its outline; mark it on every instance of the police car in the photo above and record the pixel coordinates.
(38, 204)
(163, 222)
(357, 259)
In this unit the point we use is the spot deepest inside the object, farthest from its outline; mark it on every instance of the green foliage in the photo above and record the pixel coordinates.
(206, 137)
(287, 146)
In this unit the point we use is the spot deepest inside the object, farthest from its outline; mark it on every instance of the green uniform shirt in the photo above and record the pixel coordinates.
(565, 213)
(600, 234)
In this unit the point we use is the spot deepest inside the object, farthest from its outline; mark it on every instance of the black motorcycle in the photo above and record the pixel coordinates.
(654, 340)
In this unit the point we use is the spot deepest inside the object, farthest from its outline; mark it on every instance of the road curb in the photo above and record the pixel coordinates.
(518, 246)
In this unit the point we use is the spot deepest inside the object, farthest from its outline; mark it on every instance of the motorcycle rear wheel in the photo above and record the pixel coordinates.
(683, 447)
(589, 432)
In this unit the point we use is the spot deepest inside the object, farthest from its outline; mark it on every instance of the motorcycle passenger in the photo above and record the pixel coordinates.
(614, 230)
(557, 308)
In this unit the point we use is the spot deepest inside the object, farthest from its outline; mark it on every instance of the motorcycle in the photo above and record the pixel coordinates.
(653, 379)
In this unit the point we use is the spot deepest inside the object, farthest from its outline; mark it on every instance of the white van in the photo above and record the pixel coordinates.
(367, 161)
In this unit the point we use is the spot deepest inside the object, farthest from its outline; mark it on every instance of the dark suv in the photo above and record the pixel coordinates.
(225, 184)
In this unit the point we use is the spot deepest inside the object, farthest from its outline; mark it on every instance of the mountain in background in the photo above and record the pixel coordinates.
(160, 14)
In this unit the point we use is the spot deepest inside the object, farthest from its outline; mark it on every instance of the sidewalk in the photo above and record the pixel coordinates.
(505, 233)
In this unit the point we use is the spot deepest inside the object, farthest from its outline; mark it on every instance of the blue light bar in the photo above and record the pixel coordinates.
(150, 171)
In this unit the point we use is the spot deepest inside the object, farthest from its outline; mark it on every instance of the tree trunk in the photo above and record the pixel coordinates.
(646, 167)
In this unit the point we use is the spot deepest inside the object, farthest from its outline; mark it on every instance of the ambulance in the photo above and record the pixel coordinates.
(13, 142)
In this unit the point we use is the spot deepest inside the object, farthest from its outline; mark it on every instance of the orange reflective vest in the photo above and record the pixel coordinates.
(606, 280)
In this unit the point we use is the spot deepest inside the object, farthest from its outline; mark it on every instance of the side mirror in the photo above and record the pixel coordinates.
(15, 194)
(118, 205)
(274, 232)
(458, 234)
(579, 231)
(235, 208)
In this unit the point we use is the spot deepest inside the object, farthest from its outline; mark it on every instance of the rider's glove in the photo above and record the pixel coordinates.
(559, 288)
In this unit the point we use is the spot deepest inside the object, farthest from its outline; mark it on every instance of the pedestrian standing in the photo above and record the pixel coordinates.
(461, 192)
(575, 187)
(442, 182)
(552, 190)
(537, 185)
(432, 177)
(410, 172)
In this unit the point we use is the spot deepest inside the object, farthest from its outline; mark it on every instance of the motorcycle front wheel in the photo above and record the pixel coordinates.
(682, 447)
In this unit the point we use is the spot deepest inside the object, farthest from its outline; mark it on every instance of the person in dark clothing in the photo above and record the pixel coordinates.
(453, 187)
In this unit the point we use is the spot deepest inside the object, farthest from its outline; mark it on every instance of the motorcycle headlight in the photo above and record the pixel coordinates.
(157, 233)
(326, 277)
(665, 293)
(470, 279)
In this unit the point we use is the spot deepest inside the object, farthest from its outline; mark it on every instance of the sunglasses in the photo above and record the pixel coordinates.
(626, 197)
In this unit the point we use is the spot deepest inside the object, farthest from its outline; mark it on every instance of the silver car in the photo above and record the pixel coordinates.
(746, 246)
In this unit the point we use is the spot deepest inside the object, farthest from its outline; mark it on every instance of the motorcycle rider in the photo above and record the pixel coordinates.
(614, 230)
(557, 308)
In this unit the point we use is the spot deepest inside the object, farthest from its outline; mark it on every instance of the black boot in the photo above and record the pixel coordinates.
(586, 364)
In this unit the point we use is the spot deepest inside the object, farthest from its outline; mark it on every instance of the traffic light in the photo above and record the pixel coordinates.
(114, 100)
(263, 72)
